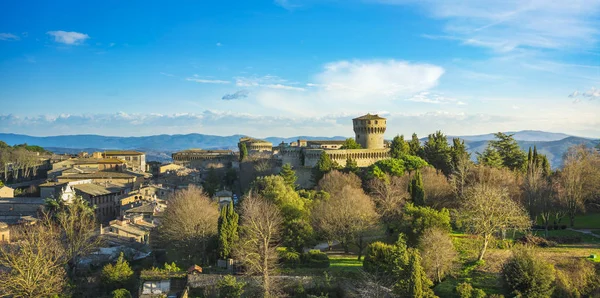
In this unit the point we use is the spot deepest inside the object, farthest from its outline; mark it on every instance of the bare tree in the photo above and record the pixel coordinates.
(438, 253)
(347, 216)
(488, 209)
(334, 181)
(189, 223)
(35, 265)
(79, 234)
(389, 196)
(579, 179)
(460, 174)
(439, 192)
(259, 237)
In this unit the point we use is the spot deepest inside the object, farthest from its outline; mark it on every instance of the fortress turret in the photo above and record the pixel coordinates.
(369, 130)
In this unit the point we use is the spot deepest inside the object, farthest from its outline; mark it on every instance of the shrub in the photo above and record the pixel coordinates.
(417, 219)
(288, 258)
(379, 258)
(121, 293)
(315, 259)
(526, 275)
(478, 293)
(464, 290)
(496, 296)
(117, 275)
(229, 287)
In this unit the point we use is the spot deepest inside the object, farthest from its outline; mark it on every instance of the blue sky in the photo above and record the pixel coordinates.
(287, 67)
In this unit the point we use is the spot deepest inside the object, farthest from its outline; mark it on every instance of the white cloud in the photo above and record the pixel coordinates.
(70, 38)
(268, 81)
(593, 93)
(8, 36)
(434, 98)
(286, 4)
(516, 24)
(167, 74)
(207, 81)
(382, 80)
(237, 95)
(218, 44)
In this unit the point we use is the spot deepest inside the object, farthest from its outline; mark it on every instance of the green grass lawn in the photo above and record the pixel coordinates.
(587, 221)
(340, 265)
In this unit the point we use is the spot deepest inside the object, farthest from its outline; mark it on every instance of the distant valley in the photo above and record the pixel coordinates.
(160, 147)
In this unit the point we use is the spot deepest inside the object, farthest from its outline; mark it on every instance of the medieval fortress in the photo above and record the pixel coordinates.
(302, 155)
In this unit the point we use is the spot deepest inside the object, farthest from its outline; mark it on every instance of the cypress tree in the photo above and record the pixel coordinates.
(415, 283)
(228, 230)
(289, 175)
(437, 152)
(243, 151)
(323, 166)
(415, 146)
(416, 190)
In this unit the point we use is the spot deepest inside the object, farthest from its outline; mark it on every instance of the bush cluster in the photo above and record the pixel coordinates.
(566, 239)
(311, 259)
(550, 227)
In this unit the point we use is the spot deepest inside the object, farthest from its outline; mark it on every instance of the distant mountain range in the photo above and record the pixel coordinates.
(160, 147)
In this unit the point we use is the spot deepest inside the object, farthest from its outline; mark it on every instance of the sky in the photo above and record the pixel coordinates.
(292, 67)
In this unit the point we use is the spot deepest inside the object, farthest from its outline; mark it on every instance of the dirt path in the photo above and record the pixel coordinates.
(585, 231)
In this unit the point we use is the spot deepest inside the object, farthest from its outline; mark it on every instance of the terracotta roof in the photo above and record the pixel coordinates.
(369, 117)
(195, 268)
(326, 142)
(98, 160)
(121, 152)
(52, 184)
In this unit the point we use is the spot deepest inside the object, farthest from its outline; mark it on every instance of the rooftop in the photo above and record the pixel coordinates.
(23, 200)
(252, 140)
(99, 175)
(369, 117)
(95, 189)
(197, 150)
(121, 152)
(146, 208)
(326, 142)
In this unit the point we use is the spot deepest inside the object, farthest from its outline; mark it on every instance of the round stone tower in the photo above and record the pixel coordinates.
(369, 130)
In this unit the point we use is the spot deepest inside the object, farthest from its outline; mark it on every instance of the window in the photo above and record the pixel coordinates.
(375, 121)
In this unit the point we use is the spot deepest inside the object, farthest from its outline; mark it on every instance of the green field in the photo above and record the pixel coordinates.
(582, 221)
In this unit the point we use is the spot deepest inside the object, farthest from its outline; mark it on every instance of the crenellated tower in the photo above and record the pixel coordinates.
(369, 130)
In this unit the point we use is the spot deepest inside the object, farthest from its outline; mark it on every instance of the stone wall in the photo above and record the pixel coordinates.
(363, 157)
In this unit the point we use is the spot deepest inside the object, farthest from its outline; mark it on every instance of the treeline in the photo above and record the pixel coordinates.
(20, 161)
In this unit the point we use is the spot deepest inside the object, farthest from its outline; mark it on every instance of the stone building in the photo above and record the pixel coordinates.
(200, 157)
(303, 155)
(256, 145)
(134, 160)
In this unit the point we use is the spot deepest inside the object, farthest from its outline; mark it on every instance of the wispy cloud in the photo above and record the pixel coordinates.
(237, 95)
(514, 24)
(207, 81)
(268, 81)
(70, 38)
(167, 74)
(219, 44)
(434, 98)
(286, 4)
(8, 37)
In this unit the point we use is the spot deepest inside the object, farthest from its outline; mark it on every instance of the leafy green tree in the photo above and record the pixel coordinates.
(324, 165)
(437, 152)
(229, 287)
(351, 143)
(415, 146)
(458, 151)
(391, 166)
(380, 258)
(512, 156)
(228, 231)
(490, 157)
(351, 166)
(117, 275)
(399, 147)
(243, 151)
(416, 284)
(212, 182)
(289, 176)
(418, 219)
(413, 163)
(416, 190)
(528, 275)
(231, 176)
(121, 293)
